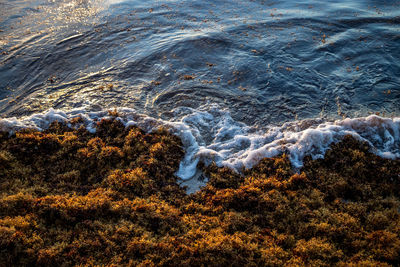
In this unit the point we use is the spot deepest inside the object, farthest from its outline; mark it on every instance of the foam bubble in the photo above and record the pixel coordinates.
(210, 134)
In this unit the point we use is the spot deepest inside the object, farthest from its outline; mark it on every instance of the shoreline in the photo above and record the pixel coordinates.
(211, 135)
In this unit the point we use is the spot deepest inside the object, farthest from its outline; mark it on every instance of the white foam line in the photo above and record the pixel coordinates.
(210, 134)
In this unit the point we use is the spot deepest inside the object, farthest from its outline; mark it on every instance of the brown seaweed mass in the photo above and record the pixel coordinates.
(69, 197)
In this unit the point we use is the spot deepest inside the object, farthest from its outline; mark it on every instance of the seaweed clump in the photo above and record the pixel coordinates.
(70, 197)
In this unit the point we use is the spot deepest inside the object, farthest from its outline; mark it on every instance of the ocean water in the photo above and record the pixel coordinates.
(237, 80)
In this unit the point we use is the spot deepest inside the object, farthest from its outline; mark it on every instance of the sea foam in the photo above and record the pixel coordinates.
(209, 134)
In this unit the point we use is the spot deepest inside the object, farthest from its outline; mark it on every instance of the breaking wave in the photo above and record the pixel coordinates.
(210, 134)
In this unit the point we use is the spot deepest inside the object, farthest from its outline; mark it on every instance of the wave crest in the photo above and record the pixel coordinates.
(211, 134)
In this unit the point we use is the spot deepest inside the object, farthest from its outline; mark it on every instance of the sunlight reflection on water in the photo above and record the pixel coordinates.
(267, 61)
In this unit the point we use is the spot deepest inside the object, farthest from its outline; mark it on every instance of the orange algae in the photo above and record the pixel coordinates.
(70, 197)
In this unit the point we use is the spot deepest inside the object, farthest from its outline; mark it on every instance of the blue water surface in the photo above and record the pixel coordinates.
(266, 61)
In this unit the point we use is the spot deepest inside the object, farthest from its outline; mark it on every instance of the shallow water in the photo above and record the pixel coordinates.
(228, 71)
(267, 61)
